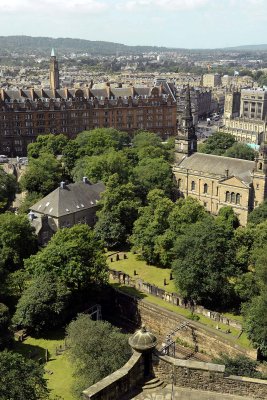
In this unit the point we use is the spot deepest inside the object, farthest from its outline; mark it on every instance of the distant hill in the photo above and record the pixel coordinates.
(252, 47)
(44, 44)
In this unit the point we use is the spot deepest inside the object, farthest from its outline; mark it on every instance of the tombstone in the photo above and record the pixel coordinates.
(111, 260)
(165, 282)
(125, 256)
(117, 257)
(135, 273)
(171, 277)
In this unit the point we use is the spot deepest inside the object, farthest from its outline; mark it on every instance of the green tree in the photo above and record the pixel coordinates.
(43, 305)
(53, 144)
(30, 199)
(96, 350)
(5, 333)
(8, 188)
(152, 222)
(21, 379)
(119, 209)
(218, 143)
(101, 167)
(17, 242)
(149, 145)
(227, 218)
(239, 365)
(259, 214)
(255, 317)
(203, 263)
(74, 256)
(240, 150)
(101, 140)
(153, 173)
(42, 175)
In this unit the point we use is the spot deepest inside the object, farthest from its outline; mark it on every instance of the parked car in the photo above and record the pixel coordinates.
(3, 159)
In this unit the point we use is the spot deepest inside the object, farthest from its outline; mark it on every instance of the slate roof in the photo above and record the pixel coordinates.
(70, 199)
(209, 163)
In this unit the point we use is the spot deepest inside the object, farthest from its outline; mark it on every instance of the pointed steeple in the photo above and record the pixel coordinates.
(186, 139)
(187, 111)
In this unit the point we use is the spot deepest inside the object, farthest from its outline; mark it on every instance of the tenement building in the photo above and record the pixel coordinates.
(25, 114)
(245, 115)
(217, 181)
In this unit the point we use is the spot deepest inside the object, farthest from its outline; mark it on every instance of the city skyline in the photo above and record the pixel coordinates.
(169, 23)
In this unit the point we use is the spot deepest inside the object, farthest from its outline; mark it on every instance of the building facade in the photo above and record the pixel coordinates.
(245, 115)
(211, 80)
(25, 114)
(200, 102)
(217, 181)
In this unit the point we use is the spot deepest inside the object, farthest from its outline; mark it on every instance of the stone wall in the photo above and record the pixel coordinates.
(172, 298)
(206, 376)
(122, 381)
(160, 321)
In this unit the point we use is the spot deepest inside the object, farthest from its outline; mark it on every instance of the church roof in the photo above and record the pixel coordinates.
(217, 165)
(70, 199)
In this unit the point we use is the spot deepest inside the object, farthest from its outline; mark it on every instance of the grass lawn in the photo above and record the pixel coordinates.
(233, 336)
(59, 375)
(147, 273)
(154, 275)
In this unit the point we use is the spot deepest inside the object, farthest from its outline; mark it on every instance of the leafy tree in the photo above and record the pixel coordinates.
(240, 150)
(152, 222)
(149, 145)
(70, 155)
(101, 140)
(96, 349)
(153, 173)
(8, 188)
(101, 167)
(203, 263)
(218, 143)
(5, 333)
(21, 379)
(259, 214)
(53, 144)
(239, 365)
(74, 256)
(42, 175)
(30, 199)
(17, 242)
(227, 218)
(255, 316)
(119, 209)
(43, 304)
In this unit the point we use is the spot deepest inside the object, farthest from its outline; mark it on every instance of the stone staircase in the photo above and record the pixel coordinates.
(153, 384)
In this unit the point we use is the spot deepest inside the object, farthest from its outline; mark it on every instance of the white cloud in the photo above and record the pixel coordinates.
(48, 6)
(162, 4)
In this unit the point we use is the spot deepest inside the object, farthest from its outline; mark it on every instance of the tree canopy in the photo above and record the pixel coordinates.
(53, 144)
(259, 214)
(240, 150)
(74, 255)
(20, 378)
(217, 143)
(96, 350)
(8, 188)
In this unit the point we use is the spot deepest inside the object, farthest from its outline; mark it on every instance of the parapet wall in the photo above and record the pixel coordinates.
(161, 321)
(206, 376)
(122, 381)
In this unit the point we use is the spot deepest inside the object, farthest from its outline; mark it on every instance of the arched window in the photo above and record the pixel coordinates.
(260, 166)
(193, 185)
(237, 198)
(205, 188)
(179, 183)
(227, 197)
(232, 197)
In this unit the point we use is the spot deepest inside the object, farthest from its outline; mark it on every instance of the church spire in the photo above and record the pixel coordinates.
(54, 71)
(53, 52)
(186, 139)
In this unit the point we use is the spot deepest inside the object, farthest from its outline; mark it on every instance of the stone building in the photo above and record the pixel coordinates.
(25, 114)
(200, 102)
(245, 115)
(211, 80)
(66, 206)
(218, 181)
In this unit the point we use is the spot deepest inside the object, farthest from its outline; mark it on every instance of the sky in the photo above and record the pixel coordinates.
(170, 23)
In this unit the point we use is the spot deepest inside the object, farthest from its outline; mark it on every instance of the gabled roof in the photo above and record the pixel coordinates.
(217, 165)
(70, 199)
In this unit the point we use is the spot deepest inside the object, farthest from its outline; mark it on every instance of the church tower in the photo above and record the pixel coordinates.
(186, 139)
(54, 71)
(260, 176)
(232, 103)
